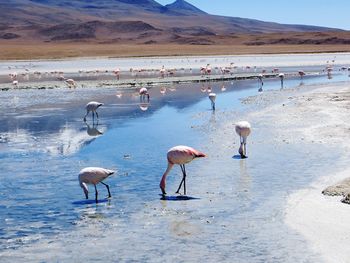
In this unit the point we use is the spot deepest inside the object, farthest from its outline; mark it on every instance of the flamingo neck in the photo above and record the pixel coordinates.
(163, 180)
(85, 189)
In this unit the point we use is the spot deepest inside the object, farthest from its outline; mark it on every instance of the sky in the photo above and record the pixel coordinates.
(307, 12)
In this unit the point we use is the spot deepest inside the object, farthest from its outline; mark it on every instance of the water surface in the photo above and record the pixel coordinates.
(235, 213)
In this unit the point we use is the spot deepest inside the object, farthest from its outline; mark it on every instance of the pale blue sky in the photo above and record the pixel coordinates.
(309, 12)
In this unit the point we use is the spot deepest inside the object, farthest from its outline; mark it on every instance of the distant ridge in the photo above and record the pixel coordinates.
(128, 22)
(183, 6)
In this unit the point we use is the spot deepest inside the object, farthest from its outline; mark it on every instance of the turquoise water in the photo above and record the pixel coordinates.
(236, 214)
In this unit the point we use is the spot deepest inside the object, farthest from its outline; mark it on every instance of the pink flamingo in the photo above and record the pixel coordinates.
(93, 175)
(243, 129)
(116, 73)
(144, 93)
(92, 106)
(301, 73)
(179, 155)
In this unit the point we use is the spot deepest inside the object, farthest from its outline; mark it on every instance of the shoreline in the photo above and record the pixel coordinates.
(321, 219)
(44, 74)
(137, 83)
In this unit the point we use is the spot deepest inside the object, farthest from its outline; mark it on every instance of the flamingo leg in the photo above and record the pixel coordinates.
(96, 194)
(87, 112)
(109, 193)
(182, 166)
(184, 174)
(96, 114)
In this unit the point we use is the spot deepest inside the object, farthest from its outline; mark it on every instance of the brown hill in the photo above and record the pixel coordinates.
(127, 21)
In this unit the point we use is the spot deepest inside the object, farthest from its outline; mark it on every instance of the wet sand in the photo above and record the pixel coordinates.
(320, 116)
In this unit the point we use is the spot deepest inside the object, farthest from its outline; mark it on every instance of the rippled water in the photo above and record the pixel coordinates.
(236, 214)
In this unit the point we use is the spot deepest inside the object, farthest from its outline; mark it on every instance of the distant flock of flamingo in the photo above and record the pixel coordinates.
(163, 72)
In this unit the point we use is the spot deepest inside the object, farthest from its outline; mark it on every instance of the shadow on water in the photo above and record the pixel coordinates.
(178, 198)
(238, 157)
(89, 202)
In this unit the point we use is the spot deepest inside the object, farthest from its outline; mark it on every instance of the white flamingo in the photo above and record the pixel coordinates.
(92, 106)
(243, 129)
(281, 76)
(212, 97)
(116, 73)
(143, 94)
(94, 175)
(162, 72)
(71, 83)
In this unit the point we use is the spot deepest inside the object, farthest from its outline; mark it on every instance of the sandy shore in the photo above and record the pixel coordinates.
(16, 50)
(320, 115)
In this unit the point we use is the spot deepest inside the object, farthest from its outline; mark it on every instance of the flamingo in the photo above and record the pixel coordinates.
(70, 83)
(243, 129)
(15, 83)
(116, 73)
(179, 155)
(92, 106)
(212, 97)
(208, 69)
(94, 175)
(13, 75)
(144, 93)
(260, 82)
(301, 73)
(281, 76)
(162, 72)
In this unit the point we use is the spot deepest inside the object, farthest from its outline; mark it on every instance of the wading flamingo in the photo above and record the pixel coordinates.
(71, 83)
(143, 94)
(92, 106)
(243, 129)
(179, 155)
(301, 73)
(281, 76)
(260, 82)
(93, 175)
(212, 97)
(162, 72)
(116, 73)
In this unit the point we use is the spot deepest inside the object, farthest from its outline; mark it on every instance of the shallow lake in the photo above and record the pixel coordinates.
(235, 210)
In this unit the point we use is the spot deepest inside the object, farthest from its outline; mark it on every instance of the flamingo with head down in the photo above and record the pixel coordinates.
(92, 106)
(180, 155)
(94, 175)
(243, 129)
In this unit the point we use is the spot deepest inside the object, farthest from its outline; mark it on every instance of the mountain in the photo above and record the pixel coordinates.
(184, 7)
(125, 21)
